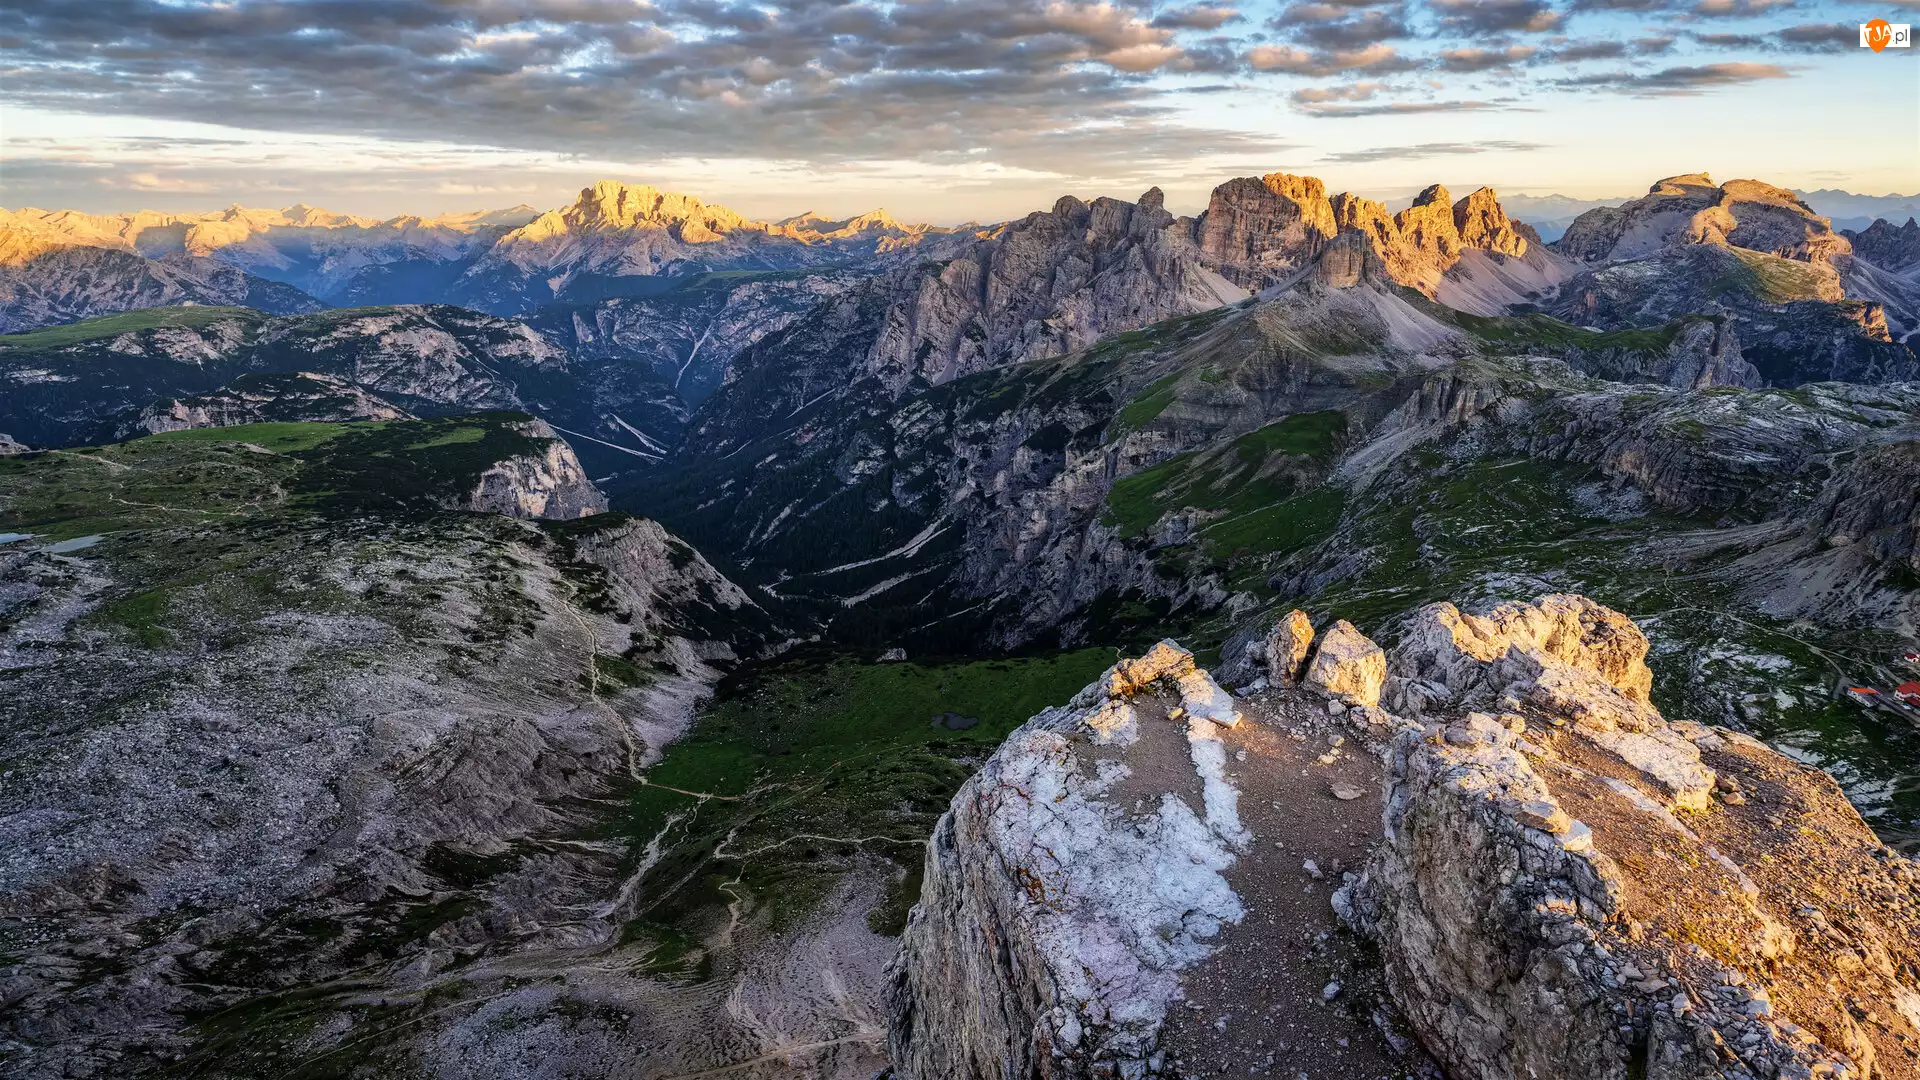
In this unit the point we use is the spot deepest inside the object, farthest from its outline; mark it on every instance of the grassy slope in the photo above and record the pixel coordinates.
(213, 475)
(106, 326)
(809, 762)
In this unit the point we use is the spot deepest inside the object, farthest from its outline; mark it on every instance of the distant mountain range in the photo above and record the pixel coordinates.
(502, 261)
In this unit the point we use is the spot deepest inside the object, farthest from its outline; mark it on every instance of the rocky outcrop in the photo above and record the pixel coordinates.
(1347, 665)
(550, 484)
(1054, 922)
(9, 446)
(1259, 231)
(1690, 209)
(1287, 649)
(1542, 909)
(1482, 224)
(254, 399)
(1561, 882)
(1886, 246)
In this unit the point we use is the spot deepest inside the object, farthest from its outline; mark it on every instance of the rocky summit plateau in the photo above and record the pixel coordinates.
(1310, 638)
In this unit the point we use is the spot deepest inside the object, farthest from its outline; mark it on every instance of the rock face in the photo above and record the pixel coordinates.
(9, 446)
(1563, 883)
(253, 399)
(1055, 922)
(549, 485)
(1258, 231)
(1483, 224)
(1690, 209)
(1546, 822)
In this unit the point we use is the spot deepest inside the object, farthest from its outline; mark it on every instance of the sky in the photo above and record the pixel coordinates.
(939, 110)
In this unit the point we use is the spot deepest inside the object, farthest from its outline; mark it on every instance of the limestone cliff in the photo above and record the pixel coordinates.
(548, 484)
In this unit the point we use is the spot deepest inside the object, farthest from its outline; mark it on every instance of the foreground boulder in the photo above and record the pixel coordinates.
(1559, 882)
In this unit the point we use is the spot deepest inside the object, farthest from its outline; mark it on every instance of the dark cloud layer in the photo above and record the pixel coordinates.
(1048, 85)
(1037, 81)
(1688, 79)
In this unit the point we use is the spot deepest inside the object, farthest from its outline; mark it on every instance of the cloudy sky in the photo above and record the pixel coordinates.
(940, 110)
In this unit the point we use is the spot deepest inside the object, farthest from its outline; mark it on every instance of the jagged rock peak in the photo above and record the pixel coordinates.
(1885, 245)
(1482, 223)
(611, 204)
(1258, 230)
(1685, 184)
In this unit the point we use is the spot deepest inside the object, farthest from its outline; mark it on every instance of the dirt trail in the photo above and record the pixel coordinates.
(1290, 993)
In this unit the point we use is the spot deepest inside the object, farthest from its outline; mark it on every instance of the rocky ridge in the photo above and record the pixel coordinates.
(1567, 884)
(91, 382)
(253, 399)
(71, 283)
(1890, 247)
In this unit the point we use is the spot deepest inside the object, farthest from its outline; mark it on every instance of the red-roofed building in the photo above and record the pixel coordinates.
(1908, 692)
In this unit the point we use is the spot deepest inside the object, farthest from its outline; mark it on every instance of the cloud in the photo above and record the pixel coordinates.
(1733, 41)
(1472, 60)
(1678, 80)
(1356, 33)
(1488, 18)
(1197, 17)
(821, 81)
(1378, 59)
(1316, 95)
(1739, 9)
(1589, 50)
(150, 181)
(1400, 108)
(1622, 5)
(1428, 150)
(1821, 37)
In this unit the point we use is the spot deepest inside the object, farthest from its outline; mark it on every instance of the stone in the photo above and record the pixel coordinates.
(1348, 665)
(1345, 791)
(1288, 646)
